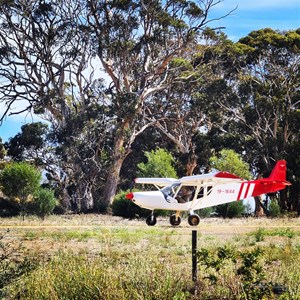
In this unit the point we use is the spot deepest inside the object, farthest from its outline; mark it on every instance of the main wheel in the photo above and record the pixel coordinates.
(151, 220)
(175, 221)
(194, 220)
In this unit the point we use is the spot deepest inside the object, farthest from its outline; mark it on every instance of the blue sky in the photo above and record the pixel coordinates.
(249, 16)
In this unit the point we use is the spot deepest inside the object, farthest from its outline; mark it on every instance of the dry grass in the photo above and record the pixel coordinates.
(116, 243)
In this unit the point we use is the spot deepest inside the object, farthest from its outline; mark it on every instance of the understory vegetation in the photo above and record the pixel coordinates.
(86, 257)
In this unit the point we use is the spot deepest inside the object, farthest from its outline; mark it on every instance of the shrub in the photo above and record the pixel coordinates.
(274, 209)
(44, 202)
(231, 210)
(19, 181)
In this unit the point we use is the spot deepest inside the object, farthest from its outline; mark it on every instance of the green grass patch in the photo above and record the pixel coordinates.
(261, 233)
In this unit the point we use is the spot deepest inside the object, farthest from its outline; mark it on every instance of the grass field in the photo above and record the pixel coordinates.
(105, 257)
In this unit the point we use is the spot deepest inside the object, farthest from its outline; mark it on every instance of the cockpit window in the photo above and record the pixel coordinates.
(170, 190)
(185, 194)
(204, 191)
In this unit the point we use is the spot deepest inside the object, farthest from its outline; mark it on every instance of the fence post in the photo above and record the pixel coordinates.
(194, 255)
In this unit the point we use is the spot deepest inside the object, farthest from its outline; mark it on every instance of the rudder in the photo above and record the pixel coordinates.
(279, 171)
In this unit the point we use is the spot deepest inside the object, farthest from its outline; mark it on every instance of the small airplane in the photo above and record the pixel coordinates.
(192, 193)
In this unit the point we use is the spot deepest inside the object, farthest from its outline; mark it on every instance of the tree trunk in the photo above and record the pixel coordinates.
(284, 203)
(294, 197)
(259, 211)
(111, 183)
(119, 154)
(191, 165)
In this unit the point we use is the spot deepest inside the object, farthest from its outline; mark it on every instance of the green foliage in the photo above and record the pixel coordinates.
(205, 212)
(27, 143)
(159, 164)
(228, 160)
(247, 266)
(274, 209)
(261, 233)
(19, 181)
(44, 202)
(2, 150)
(230, 210)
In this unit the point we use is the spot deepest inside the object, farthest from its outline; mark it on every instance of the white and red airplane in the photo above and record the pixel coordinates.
(191, 193)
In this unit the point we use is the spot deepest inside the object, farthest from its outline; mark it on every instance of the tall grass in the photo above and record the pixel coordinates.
(139, 262)
(80, 277)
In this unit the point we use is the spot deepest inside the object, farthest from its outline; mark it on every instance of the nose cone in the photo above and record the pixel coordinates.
(129, 196)
(151, 200)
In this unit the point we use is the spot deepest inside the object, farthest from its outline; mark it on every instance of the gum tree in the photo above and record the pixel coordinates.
(265, 106)
(135, 42)
(54, 56)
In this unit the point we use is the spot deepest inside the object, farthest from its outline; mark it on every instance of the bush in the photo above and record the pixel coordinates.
(8, 208)
(44, 202)
(274, 209)
(19, 182)
(231, 210)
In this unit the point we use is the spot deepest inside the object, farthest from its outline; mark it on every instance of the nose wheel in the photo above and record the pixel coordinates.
(175, 220)
(193, 219)
(151, 220)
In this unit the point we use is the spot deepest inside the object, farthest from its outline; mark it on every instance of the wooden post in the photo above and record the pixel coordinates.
(194, 255)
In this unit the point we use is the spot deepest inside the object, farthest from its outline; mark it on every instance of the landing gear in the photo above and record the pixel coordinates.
(151, 220)
(194, 219)
(175, 220)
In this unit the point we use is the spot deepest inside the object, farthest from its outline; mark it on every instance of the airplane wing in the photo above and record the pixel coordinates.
(210, 178)
(157, 181)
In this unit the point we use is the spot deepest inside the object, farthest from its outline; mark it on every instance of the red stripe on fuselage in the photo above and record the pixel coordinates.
(240, 192)
(247, 190)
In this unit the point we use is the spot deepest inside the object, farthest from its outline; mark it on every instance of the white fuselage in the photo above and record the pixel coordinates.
(210, 194)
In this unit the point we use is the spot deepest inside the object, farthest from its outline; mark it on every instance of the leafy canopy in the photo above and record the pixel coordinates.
(228, 160)
(159, 164)
(19, 180)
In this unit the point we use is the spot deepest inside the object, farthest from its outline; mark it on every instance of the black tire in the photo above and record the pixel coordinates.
(194, 220)
(175, 221)
(151, 220)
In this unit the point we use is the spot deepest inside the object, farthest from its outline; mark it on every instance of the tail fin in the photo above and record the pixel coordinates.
(279, 171)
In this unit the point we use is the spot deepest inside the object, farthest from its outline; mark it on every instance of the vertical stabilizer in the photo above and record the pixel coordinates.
(279, 171)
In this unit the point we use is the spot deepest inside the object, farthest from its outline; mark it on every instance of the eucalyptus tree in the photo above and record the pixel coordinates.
(54, 54)
(136, 42)
(47, 67)
(265, 104)
(29, 144)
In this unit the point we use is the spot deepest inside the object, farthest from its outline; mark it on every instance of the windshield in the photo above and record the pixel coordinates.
(170, 190)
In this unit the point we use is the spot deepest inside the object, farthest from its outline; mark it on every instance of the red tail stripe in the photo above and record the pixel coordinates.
(240, 192)
(247, 190)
